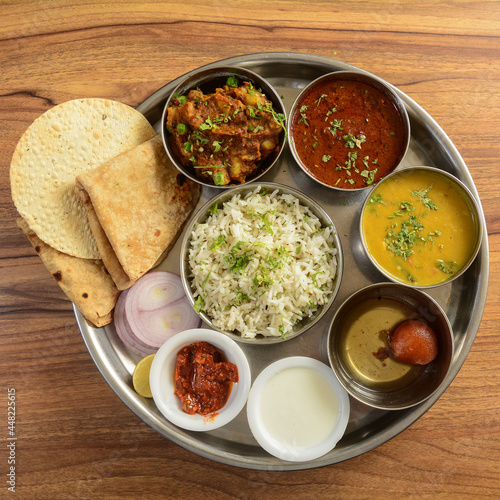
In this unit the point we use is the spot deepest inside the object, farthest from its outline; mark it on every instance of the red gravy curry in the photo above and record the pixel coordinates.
(224, 136)
(348, 134)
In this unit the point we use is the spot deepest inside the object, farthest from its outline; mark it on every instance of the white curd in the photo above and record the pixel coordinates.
(299, 407)
(297, 410)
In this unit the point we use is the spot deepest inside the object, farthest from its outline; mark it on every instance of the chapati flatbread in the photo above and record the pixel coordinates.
(67, 140)
(137, 204)
(85, 281)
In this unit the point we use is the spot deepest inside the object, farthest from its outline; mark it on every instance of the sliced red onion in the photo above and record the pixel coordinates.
(162, 323)
(155, 290)
(157, 308)
(125, 333)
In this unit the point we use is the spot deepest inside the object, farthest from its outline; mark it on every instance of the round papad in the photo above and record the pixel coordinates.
(67, 140)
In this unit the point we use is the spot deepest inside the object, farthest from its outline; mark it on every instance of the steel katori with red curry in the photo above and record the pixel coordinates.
(348, 131)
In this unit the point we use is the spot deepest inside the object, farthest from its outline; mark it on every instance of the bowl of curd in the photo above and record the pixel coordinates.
(297, 410)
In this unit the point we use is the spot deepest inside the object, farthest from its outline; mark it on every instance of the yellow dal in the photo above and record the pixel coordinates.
(450, 231)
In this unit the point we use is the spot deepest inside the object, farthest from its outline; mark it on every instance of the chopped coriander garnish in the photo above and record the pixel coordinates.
(213, 209)
(337, 124)
(263, 218)
(322, 96)
(199, 138)
(262, 278)
(238, 258)
(279, 118)
(199, 304)
(219, 179)
(447, 267)
(369, 176)
(220, 241)
(240, 297)
(281, 329)
(423, 194)
(205, 280)
(207, 124)
(351, 141)
(351, 159)
(303, 117)
(401, 242)
(181, 128)
(232, 81)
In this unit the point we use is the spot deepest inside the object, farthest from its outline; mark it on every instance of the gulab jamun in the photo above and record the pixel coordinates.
(414, 342)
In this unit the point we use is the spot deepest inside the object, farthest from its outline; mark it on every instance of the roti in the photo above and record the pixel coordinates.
(86, 282)
(137, 204)
(68, 140)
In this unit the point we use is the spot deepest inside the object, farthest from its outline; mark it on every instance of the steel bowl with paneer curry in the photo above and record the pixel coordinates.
(224, 137)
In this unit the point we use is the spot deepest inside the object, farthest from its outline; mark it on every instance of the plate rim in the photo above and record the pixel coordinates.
(407, 417)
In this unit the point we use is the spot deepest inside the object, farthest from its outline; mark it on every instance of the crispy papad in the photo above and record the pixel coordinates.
(86, 282)
(137, 204)
(67, 140)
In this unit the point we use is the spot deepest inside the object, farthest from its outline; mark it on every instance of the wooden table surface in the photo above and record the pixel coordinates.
(75, 438)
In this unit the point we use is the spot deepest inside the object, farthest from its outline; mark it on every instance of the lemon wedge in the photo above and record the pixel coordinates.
(140, 377)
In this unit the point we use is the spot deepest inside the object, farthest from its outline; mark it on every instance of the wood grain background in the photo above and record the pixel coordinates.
(75, 437)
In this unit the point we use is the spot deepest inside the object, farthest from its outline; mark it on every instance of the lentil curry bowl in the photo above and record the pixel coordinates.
(421, 226)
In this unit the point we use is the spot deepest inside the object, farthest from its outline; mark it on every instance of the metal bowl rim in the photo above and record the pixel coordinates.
(364, 78)
(203, 74)
(341, 310)
(202, 214)
(478, 215)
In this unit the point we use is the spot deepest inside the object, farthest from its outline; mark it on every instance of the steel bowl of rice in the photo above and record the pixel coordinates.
(261, 263)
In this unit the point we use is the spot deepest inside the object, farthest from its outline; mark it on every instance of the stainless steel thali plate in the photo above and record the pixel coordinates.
(463, 300)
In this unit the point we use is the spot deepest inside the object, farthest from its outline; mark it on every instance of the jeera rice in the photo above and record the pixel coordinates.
(261, 263)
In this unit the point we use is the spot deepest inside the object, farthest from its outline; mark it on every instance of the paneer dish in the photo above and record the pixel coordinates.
(223, 137)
